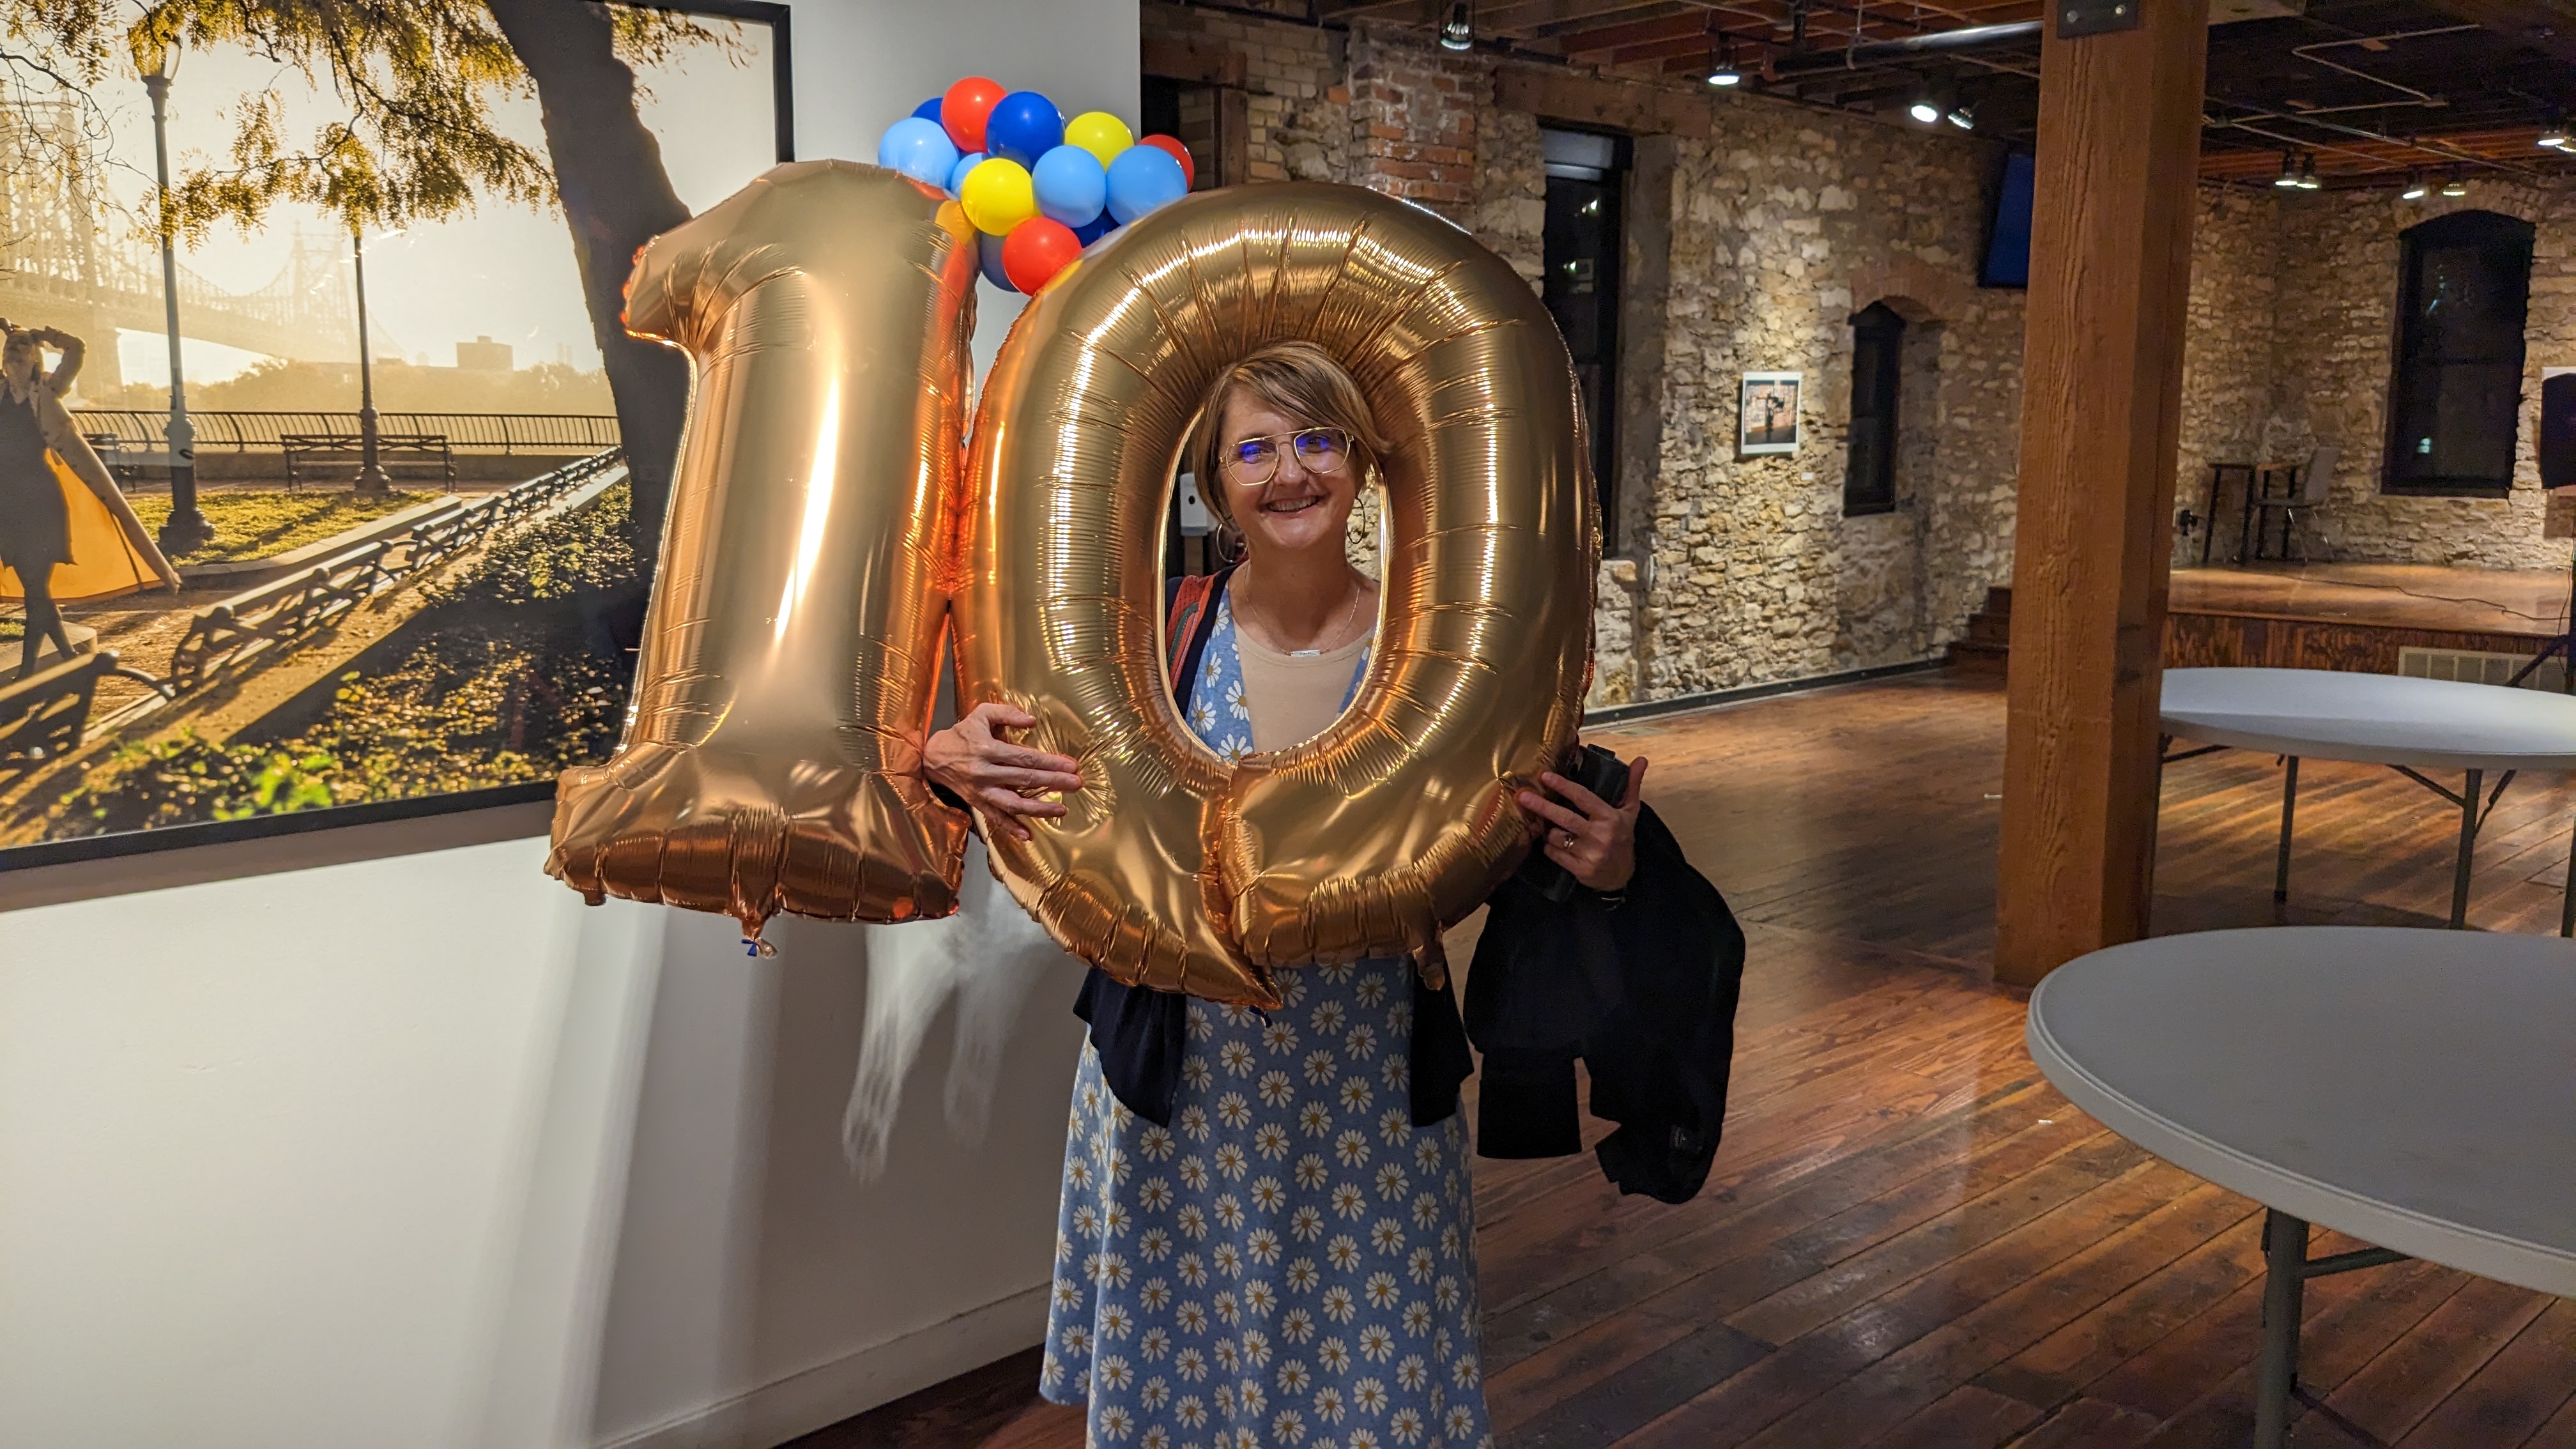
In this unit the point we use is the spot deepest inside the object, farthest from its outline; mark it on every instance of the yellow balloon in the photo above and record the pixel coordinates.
(1100, 133)
(998, 196)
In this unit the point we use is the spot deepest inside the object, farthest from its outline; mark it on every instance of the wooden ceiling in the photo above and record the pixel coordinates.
(2372, 91)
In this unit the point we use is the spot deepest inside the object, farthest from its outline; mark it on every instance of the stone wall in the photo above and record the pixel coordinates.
(2339, 254)
(1782, 223)
(1785, 224)
(2227, 359)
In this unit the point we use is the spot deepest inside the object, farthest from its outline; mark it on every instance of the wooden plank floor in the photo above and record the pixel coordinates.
(1910, 1238)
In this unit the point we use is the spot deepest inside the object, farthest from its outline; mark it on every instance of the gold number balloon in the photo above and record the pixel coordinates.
(1174, 869)
(772, 758)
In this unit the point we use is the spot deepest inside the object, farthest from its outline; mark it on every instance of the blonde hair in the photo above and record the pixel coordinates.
(1297, 379)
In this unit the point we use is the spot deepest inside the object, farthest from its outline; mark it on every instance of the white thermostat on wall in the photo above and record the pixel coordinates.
(1194, 514)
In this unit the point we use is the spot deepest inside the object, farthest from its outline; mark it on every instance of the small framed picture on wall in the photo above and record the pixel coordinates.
(1767, 415)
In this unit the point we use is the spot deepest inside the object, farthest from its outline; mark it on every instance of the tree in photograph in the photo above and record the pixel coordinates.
(414, 141)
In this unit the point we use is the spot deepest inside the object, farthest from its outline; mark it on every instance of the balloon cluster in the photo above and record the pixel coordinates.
(1038, 188)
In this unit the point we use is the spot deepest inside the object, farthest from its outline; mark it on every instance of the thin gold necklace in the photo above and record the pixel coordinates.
(1339, 623)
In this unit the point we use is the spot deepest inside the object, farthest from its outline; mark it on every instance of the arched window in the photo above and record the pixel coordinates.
(2464, 287)
(1878, 345)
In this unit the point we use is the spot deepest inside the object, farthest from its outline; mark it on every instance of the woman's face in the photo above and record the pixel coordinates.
(1297, 507)
(19, 357)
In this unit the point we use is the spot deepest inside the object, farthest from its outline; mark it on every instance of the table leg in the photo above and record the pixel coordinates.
(2567, 905)
(2289, 807)
(2468, 845)
(2285, 1259)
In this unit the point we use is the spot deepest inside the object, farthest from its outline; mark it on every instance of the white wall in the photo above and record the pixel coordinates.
(326, 1140)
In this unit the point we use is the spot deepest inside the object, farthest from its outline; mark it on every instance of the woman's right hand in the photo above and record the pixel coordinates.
(995, 776)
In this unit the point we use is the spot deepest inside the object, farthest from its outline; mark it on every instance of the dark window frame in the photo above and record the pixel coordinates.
(1877, 401)
(2423, 374)
(1597, 377)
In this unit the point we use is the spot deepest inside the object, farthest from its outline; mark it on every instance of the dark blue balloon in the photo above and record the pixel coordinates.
(1099, 226)
(988, 253)
(928, 110)
(1024, 126)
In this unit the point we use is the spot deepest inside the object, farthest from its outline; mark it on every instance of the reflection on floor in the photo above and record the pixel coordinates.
(1910, 1238)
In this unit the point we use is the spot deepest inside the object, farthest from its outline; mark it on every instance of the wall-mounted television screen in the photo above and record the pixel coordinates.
(2007, 261)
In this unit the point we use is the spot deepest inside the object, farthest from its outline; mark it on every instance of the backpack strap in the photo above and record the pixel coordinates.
(1192, 619)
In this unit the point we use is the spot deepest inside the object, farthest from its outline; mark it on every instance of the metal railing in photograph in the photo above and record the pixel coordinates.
(227, 637)
(137, 434)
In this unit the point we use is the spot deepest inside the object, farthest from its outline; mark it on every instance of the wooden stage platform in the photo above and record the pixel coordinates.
(2361, 617)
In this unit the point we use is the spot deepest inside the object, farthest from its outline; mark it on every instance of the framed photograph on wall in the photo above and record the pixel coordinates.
(432, 608)
(1767, 413)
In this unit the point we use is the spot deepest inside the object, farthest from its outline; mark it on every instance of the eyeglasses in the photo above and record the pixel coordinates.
(1254, 461)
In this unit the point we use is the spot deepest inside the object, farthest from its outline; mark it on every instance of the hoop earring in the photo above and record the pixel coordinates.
(1231, 546)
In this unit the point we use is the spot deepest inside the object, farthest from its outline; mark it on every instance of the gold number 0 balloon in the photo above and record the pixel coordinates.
(1174, 869)
(772, 755)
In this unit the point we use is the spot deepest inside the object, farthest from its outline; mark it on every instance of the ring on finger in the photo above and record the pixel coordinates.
(1566, 840)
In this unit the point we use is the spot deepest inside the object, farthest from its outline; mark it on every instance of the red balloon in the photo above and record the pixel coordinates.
(1178, 152)
(963, 109)
(1036, 250)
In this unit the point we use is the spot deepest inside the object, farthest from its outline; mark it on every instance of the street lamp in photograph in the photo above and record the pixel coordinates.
(187, 529)
(371, 468)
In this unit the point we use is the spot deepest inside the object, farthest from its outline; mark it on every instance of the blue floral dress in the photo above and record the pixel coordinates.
(1292, 1262)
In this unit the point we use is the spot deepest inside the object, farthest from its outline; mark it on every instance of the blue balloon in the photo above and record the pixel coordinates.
(928, 110)
(988, 249)
(1143, 178)
(919, 149)
(965, 163)
(1071, 186)
(1101, 226)
(1023, 127)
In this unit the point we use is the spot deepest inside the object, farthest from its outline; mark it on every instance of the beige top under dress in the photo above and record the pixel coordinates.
(1294, 697)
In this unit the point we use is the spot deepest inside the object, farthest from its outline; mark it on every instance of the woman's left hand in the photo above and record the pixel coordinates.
(1595, 841)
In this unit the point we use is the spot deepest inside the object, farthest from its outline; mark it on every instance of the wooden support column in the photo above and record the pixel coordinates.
(2110, 273)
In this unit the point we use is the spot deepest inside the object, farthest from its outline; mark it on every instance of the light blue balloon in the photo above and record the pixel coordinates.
(1143, 178)
(957, 175)
(919, 149)
(1071, 186)
(988, 254)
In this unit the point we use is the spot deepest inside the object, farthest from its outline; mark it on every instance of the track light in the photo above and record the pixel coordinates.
(1721, 70)
(1962, 116)
(2415, 187)
(2308, 172)
(2454, 186)
(2553, 131)
(2289, 170)
(1925, 109)
(1458, 32)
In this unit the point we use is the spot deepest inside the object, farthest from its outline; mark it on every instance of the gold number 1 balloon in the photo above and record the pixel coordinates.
(772, 758)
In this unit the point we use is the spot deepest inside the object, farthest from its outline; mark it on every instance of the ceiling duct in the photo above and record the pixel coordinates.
(1912, 48)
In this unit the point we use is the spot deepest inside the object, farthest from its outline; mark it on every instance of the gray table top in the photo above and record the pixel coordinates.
(2413, 1088)
(2380, 719)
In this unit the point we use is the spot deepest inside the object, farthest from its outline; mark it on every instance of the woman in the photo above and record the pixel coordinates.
(35, 523)
(1288, 1256)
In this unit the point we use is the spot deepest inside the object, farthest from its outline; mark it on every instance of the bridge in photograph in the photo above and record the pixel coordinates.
(69, 258)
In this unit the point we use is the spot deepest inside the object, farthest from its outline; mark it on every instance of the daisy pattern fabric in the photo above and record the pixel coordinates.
(1291, 1262)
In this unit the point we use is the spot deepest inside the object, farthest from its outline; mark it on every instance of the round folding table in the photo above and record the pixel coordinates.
(2415, 1089)
(2410, 725)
